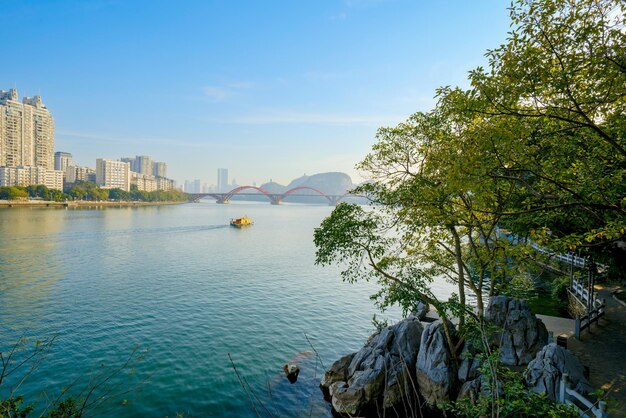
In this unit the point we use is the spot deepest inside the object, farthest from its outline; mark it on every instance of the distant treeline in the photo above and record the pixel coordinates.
(90, 191)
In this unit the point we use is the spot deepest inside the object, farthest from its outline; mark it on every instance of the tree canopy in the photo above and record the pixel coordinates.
(535, 149)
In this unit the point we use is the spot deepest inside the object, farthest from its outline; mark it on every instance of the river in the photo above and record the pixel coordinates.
(184, 289)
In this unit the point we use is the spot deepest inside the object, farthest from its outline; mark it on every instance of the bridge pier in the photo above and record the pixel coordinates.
(223, 201)
(275, 200)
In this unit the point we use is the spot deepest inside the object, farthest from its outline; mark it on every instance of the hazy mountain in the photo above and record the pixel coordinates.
(332, 183)
(273, 187)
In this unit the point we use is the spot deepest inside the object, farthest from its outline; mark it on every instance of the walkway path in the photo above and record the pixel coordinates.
(603, 350)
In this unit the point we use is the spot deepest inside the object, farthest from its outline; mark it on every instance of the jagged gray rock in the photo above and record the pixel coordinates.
(470, 389)
(420, 311)
(543, 374)
(435, 368)
(469, 369)
(337, 372)
(521, 333)
(380, 374)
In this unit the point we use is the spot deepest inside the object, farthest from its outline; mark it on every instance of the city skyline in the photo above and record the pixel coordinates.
(267, 90)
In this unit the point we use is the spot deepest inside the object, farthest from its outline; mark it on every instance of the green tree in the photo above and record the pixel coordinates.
(119, 194)
(13, 193)
(435, 219)
(562, 75)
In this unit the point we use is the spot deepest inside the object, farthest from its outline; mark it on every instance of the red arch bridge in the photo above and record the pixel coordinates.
(275, 199)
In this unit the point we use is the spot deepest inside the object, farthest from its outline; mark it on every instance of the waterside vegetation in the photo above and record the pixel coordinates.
(88, 191)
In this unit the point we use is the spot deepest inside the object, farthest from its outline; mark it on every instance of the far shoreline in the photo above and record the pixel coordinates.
(79, 203)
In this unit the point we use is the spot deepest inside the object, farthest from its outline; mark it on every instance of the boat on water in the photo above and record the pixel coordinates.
(239, 222)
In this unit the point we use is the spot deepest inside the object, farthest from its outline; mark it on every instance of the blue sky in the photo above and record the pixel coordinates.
(268, 89)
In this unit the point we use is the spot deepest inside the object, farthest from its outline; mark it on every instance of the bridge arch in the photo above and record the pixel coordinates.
(233, 192)
(295, 189)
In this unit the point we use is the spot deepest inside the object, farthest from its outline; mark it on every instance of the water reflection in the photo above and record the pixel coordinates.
(30, 267)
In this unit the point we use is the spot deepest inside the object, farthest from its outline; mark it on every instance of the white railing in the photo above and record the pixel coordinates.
(585, 407)
(595, 306)
(572, 259)
(585, 297)
(577, 261)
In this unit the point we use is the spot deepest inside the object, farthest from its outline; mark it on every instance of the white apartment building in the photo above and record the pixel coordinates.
(112, 174)
(144, 182)
(29, 175)
(26, 132)
(164, 184)
(75, 173)
(151, 183)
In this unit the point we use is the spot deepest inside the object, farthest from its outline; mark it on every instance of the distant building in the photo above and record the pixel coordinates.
(29, 175)
(144, 182)
(62, 160)
(143, 165)
(222, 180)
(151, 183)
(112, 174)
(75, 174)
(192, 186)
(26, 132)
(159, 169)
(165, 184)
(130, 161)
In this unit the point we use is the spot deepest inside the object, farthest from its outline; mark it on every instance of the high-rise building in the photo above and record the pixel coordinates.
(222, 180)
(143, 165)
(159, 169)
(131, 161)
(26, 132)
(62, 160)
(112, 174)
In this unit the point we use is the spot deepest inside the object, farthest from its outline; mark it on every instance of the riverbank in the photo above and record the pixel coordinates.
(78, 203)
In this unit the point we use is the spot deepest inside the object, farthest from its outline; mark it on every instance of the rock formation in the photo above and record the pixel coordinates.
(520, 335)
(380, 375)
(436, 369)
(406, 361)
(544, 372)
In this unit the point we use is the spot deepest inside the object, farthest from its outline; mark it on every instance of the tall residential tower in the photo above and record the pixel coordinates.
(222, 180)
(26, 132)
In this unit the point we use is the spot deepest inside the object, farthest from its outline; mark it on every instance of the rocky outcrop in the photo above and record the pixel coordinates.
(407, 360)
(436, 369)
(521, 334)
(469, 368)
(420, 311)
(338, 372)
(378, 375)
(544, 372)
(470, 389)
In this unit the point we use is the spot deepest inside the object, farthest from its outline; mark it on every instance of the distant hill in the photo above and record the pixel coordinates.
(333, 183)
(274, 187)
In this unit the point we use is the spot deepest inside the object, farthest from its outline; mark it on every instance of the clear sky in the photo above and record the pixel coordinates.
(267, 89)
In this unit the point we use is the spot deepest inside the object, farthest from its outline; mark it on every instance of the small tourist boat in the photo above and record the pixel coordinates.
(239, 222)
